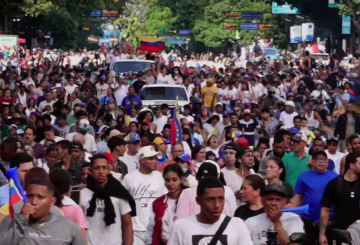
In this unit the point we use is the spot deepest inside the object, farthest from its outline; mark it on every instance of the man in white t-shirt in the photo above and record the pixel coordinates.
(130, 157)
(186, 114)
(70, 88)
(145, 185)
(274, 199)
(90, 144)
(201, 228)
(107, 205)
(101, 88)
(332, 152)
(287, 116)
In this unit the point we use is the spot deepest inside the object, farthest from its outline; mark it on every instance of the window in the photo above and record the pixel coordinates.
(120, 67)
(163, 93)
(270, 52)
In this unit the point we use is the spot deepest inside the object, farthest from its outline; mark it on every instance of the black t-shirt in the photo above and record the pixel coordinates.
(346, 208)
(244, 212)
(309, 82)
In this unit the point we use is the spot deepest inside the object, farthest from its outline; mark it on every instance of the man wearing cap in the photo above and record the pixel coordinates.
(232, 179)
(130, 158)
(78, 154)
(287, 116)
(332, 152)
(162, 147)
(319, 145)
(309, 189)
(187, 202)
(274, 199)
(145, 185)
(90, 144)
(296, 162)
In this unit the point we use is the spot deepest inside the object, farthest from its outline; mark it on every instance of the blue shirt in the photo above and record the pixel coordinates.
(130, 102)
(331, 165)
(4, 194)
(311, 185)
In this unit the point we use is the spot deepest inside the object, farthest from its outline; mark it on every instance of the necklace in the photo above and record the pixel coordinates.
(352, 193)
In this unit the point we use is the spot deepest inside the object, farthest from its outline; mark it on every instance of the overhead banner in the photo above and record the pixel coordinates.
(346, 25)
(333, 4)
(295, 34)
(284, 9)
(307, 32)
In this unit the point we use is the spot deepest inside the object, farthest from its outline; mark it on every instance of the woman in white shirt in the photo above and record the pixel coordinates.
(164, 208)
(31, 106)
(163, 78)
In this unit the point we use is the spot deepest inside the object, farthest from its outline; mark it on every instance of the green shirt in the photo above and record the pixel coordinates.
(295, 166)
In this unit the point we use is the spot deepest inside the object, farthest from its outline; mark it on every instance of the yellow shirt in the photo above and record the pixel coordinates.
(208, 93)
(5, 210)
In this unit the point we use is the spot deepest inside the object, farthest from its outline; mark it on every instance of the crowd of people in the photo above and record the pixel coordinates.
(100, 168)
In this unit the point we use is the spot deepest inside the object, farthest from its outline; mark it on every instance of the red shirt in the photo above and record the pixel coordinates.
(6, 101)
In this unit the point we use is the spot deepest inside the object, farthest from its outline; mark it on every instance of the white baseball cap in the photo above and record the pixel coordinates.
(147, 151)
(84, 125)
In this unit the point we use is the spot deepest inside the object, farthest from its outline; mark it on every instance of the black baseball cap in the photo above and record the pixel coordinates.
(332, 139)
(77, 145)
(207, 168)
(316, 154)
(275, 188)
(232, 146)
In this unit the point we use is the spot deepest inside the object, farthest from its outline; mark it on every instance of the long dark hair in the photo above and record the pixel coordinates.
(61, 179)
(280, 164)
(176, 169)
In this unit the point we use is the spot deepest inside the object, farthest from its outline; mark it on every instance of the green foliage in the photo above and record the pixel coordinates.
(158, 18)
(131, 28)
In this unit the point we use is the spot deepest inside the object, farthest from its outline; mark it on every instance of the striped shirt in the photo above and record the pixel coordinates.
(270, 128)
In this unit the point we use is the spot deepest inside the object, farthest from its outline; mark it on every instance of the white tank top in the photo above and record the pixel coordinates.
(22, 99)
(311, 121)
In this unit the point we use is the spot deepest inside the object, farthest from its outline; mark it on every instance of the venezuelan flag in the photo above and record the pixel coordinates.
(152, 44)
(14, 197)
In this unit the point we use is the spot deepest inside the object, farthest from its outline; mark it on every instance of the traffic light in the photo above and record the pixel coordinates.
(265, 26)
(86, 29)
(232, 26)
(173, 32)
(164, 31)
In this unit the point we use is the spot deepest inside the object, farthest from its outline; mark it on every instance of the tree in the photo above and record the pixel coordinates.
(131, 28)
(210, 28)
(158, 18)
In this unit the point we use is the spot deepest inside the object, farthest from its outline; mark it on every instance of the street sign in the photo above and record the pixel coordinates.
(232, 15)
(346, 25)
(284, 9)
(164, 31)
(333, 4)
(251, 15)
(248, 26)
(184, 32)
(110, 13)
(96, 13)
